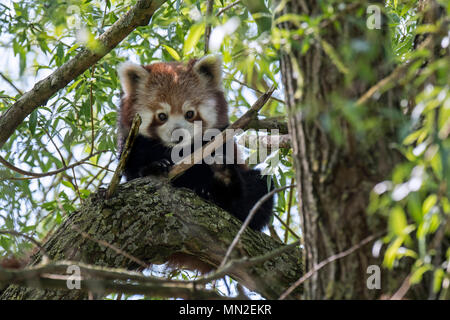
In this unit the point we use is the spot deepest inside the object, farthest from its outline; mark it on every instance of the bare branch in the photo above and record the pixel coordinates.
(394, 75)
(125, 154)
(231, 5)
(43, 174)
(102, 280)
(208, 15)
(325, 262)
(278, 123)
(255, 208)
(20, 92)
(245, 262)
(30, 238)
(254, 89)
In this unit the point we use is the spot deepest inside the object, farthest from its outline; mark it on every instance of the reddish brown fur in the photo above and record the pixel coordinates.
(175, 83)
(147, 90)
(181, 260)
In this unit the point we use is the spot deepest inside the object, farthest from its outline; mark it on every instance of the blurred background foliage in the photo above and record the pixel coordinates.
(79, 121)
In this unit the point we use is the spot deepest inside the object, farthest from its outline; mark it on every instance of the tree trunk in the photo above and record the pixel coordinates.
(151, 221)
(335, 171)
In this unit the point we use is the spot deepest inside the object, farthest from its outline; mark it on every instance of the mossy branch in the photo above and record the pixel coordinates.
(150, 220)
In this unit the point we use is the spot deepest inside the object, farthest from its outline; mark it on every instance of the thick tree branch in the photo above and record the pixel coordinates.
(101, 280)
(139, 15)
(150, 220)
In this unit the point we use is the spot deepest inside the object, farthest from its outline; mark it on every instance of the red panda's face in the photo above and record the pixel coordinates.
(173, 97)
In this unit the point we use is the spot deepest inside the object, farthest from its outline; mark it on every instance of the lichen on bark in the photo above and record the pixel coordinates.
(150, 220)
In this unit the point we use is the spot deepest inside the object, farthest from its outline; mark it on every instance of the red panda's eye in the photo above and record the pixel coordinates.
(162, 116)
(189, 115)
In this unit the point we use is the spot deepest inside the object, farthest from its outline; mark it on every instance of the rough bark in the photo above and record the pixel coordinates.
(151, 220)
(335, 179)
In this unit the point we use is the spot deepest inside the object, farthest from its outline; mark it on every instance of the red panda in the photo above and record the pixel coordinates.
(174, 95)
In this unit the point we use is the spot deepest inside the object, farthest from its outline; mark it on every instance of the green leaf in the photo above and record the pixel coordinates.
(437, 280)
(195, 32)
(33, 122)
(416, 277)
(429, 203)
(172, 52)
(391, 252)
(412, 137)
(22, 61)
(261, 13)
(414, 207)
(397, 221)
(68, 184)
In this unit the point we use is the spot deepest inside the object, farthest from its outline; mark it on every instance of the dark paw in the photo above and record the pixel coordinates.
(203, 192)
(156, 168)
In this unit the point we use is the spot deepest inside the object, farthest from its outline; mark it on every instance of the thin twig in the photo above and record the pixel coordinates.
(112, 247)
(11, 83)
(244, 262)
(104, 17)
(125, 154)
(54, 144)
(252, 212)
(101, 280)
(75, 184)
(394, 75)
(43, 174)
(209, 10)
(91, 102)
(286, 226)
(288, 218)
(401, 292)
(101, 167)
(30, 238)
(327, 261)
(231, 5)
(252, 88)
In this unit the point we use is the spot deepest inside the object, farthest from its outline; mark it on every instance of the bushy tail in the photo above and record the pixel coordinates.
(255, 186)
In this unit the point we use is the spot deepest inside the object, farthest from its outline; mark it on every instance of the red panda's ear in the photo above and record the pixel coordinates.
(131, 75)
(210, 68)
